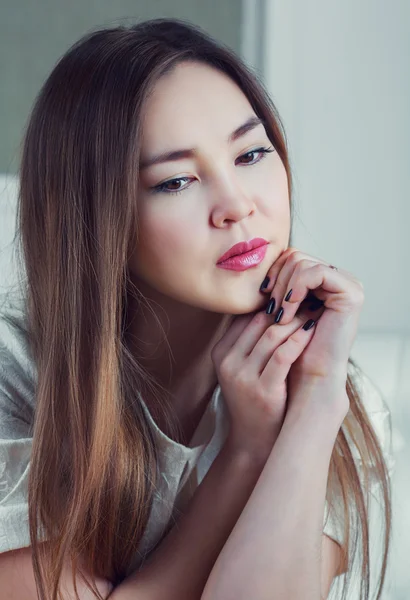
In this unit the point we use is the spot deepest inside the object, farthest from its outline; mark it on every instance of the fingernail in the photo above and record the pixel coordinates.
(265, 283)
(271, 306)
(288, 295)
(308, 325)
(279, 315)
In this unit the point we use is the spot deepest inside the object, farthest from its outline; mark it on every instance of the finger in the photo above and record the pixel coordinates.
(275, 269)
(277, 266)
(278, 366)
(270, 340)
(333, 286)
(243, 334)
(283, 291)
(235, 325)
(253, 333)
(230, 336)
(261, 327)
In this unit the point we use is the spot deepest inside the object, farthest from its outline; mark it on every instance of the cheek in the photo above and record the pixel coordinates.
(166, 242)
(277, 193)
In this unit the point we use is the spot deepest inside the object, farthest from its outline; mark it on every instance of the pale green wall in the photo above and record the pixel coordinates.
(35, 34)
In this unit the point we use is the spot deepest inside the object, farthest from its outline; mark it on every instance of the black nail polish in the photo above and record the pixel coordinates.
(265, 283)
(271, 306)
(308, 325)
(279, 315)
(288, 295)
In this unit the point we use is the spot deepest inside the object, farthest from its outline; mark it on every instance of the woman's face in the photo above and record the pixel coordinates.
(223, 197)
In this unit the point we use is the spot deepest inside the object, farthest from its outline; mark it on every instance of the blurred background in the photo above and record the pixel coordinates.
(339, 74)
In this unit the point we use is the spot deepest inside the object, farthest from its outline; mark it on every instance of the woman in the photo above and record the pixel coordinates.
(191, 425)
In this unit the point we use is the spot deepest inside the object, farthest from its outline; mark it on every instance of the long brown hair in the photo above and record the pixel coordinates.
(93, 462)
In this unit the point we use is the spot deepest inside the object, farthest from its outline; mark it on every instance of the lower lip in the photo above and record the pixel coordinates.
(241, 262)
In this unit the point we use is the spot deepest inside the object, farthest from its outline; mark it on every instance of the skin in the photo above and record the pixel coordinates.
(226, 198)
(223, 201)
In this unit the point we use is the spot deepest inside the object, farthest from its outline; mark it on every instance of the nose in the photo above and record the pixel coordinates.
(232, 202)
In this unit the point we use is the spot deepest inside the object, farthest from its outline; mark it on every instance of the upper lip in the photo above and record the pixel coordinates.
(242, 247)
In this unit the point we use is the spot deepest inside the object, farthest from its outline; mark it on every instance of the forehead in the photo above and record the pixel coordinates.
(194, 99)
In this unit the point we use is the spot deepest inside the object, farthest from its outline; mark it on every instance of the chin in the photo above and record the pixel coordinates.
(250, 306)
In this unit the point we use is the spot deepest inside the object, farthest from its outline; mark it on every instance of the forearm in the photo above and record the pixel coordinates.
(180, 566)
(274, 550)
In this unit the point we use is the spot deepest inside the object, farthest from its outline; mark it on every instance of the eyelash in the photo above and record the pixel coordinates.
(161, 187)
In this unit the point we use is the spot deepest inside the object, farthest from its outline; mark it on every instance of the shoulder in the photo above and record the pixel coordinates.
(17, 369)
(17, 378)
(13, 326)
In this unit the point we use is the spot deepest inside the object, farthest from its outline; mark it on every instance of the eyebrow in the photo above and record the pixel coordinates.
(240, 131)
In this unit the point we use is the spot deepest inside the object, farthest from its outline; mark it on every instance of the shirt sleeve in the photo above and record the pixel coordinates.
(17, 376)
(380, 418)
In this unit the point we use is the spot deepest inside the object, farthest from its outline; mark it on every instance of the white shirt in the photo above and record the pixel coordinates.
(181, 468)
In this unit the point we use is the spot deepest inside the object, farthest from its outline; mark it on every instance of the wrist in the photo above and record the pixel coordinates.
(319, 410)
(254, 453)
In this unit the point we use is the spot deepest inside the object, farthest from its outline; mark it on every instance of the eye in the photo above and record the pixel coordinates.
(162, 187)
(263, 151)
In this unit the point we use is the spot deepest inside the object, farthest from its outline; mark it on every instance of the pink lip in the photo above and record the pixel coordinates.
(241, 248)
(241, 262)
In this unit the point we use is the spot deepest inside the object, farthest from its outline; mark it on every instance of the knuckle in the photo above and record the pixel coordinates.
(294, 258)
(320, 267)
(357, 298)
(262, 396)
(296, 340)
(281, 355)
(260, 318)
(302, 264)
(272, 334)
(360, 301)
(226, 367)
(292, 250)
(244, 380)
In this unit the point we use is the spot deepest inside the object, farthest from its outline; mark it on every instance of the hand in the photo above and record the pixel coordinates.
(324, 362)
(252, 361)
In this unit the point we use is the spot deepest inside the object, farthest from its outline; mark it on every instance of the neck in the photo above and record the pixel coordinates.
(174, 346)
